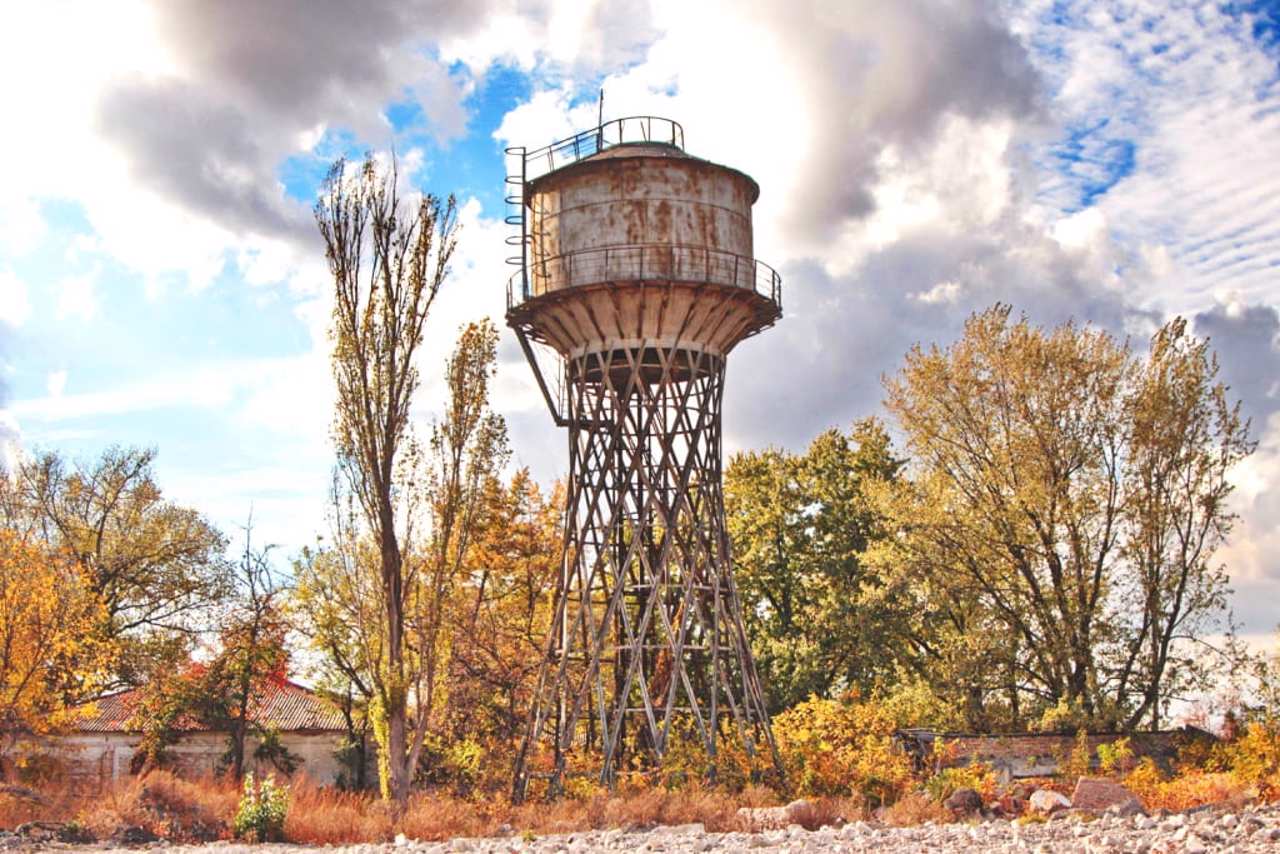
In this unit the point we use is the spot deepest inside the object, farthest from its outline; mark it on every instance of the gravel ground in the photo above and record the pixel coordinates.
(1255, 828)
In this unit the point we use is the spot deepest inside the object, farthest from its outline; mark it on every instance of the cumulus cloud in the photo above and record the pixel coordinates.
(1247, 341)
(1171, 114)
(15, 304)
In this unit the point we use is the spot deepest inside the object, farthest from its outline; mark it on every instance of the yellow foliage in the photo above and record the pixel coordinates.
(1190, 788)
(978, 776)
(842, 747)
(1254, 758)
(49, 621)
(1079, 761)
(1116, 757)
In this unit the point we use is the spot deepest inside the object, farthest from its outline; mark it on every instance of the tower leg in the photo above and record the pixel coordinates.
(648, 641)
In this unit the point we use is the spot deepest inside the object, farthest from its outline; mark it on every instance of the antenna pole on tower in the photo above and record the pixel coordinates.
(600, 120)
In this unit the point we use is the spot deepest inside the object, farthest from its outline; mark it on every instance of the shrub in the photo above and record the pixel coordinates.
(1116, 757)
(1254, 758)
(842, 747)
(916, 808)
(166, 805)
(1078, 762)
(262, 810)
(976, 775)
(1191, 787)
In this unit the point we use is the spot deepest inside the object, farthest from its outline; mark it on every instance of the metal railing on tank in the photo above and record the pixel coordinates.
(533, 164)
(644, 262)
(614, 132)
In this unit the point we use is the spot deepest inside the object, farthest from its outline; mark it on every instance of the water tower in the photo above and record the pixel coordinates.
(636, 279)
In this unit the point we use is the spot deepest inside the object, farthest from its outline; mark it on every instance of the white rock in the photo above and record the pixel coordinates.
(1047, 801)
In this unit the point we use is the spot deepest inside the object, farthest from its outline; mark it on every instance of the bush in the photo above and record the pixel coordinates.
(1191, 787)
(262, 810)
(1254, 758)
(842, 747)
(168, 806)
(976, 775)
(1116, 757)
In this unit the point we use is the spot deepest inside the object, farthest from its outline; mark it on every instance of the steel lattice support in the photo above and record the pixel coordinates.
(647, 639)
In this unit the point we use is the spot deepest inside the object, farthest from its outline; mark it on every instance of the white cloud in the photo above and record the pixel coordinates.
(943, 292)
(15, 306)
(1194, 99)
(56, 383)
(917, 161)
(10, 446)
(77, 297)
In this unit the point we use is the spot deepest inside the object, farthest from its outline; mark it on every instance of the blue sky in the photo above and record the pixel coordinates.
(161, 283)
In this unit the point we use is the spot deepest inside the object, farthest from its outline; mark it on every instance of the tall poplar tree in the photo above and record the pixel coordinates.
(388, 260)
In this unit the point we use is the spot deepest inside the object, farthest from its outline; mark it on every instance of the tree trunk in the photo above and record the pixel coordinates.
(397, 757)
(398, 773)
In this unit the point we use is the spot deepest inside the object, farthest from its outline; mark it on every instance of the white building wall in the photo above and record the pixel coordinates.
(96, 759)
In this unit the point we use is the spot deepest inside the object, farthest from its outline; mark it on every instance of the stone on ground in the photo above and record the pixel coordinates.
(1098, 794)
(1048, 802)
(760, 819)
(964, 802)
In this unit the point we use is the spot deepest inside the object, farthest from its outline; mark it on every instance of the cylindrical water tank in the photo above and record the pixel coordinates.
(641, 245)
(640, 211)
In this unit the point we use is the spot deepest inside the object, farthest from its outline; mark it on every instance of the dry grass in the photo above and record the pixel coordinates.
(166, 805)
(202, 810)
(916, 808)
(319, 816)
(19, 804)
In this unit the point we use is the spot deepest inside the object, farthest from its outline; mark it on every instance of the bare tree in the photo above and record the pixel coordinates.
(388, 261)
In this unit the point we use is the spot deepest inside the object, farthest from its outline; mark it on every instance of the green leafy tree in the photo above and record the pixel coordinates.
(799, 524)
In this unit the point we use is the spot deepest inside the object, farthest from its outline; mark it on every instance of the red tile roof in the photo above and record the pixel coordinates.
(285, 706)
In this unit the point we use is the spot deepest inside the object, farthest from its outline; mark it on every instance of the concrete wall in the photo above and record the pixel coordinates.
(94, 760)
(1020, 755)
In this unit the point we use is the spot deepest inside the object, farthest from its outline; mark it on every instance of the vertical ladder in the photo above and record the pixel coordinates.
(516, 217)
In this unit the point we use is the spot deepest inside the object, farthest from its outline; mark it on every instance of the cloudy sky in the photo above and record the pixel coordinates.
(161, 281)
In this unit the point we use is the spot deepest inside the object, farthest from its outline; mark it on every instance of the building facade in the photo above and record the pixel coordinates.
(100, 749)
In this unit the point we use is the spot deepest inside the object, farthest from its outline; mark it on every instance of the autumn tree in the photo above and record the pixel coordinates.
(158, 566)
(388, 261)
(1055, 541)
(251, 653)
(468, 448)
(223, 689)
(799, 524)
(51, 653)
(503, 609)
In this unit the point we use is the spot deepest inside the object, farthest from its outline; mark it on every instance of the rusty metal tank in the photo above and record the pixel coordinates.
(636, 243)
